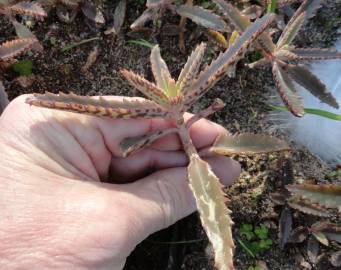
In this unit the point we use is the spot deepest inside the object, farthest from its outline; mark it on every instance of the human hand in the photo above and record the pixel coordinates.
(57, 214)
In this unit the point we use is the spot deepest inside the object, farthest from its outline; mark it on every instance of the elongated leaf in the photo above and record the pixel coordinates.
(190, 70)
(241, 22)
(307, 207)
(290, 31)
(327, 195)
(202, 17)
(147, 88)
(309, 7)
(92, 12)
(213, 213)
(285, 226)
(287, 90)
(126, 108)
(247, 144)
(160, 69)
(119, 15)
(147, 15)
(315, 54)
(215, 71)
(310, 82)
(319, 236)
(23, 32)
(3, 98)
(218, 38)
(13, 48)
(132, 145)
(330, 230)
(32, 9)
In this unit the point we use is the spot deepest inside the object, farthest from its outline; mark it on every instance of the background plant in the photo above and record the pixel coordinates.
(285, 74)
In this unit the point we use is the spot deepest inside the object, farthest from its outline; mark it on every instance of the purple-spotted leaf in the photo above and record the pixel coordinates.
(213, 73)
(287, 90)
(327, 195)
(191, 68)
(315, 54)
(241, 22)
(291, 31)
(13, 48)
(102, 107)
(285, 226)
(132, 145)
(335, 258)
(309, 7)
(92, 12)
(310, 82)
(307, 207)
(3, 98)
(32, 9)
(23, 32)
(213, 212)
(298, 235)
(330, 230)
(147, 88)
(147, 15)
(202, 17)
(160, 69)
(248, 144)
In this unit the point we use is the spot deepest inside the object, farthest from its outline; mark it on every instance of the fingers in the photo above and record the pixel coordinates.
(147, 161)
(162, 198)
(143, 163)
(203, 134)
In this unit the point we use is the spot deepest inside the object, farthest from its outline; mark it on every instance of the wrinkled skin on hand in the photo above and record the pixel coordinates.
(58, 209)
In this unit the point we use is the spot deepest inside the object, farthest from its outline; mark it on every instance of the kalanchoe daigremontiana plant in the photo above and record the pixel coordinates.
(169, 100)
(25, 40)
(68, 9)
(279, 54)
(11, 8)
(156, 8)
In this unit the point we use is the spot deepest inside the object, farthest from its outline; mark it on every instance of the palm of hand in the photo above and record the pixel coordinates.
(52, 163)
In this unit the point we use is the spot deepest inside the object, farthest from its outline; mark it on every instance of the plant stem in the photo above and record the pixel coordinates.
(272, 6)
(217, 105)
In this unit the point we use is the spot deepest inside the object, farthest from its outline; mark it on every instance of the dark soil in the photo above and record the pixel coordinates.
(246, 97)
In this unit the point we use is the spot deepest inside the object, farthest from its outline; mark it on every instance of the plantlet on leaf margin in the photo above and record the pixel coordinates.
(170, 99)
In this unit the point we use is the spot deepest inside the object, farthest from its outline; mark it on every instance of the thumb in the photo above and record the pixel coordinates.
(160, 200)
(164, 197)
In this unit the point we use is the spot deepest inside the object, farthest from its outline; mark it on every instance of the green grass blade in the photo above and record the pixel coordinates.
(246, 248)
(142, 42)
(272, 6)
(76, 44)
(318, 112)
